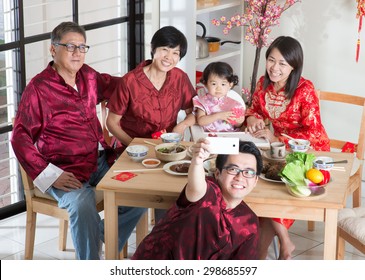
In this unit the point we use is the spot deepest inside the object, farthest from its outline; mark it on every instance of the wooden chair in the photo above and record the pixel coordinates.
(351, 228)
(38, 202)
(354, 185)
(104, 114)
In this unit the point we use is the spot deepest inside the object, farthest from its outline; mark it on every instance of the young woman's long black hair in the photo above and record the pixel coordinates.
(292, 52)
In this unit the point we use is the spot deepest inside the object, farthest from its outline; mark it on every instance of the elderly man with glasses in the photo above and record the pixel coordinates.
(209, 220)
(58, 139)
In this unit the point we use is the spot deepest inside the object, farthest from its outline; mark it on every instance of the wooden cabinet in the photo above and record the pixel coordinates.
(184, 15)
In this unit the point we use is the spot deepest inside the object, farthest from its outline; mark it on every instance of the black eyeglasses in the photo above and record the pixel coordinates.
(247, 173)
(72, 47)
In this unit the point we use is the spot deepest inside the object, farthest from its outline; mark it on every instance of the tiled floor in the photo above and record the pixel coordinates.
(309, 245)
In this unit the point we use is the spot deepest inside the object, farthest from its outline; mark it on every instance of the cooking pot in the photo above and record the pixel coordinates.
(202, 48)
(214, 43)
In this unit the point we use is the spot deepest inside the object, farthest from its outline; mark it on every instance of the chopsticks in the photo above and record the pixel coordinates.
(338, 168)
(138, 170)
(148, 142)
(289, 137)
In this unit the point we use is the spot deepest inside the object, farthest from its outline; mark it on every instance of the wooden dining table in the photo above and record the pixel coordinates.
(159, 189)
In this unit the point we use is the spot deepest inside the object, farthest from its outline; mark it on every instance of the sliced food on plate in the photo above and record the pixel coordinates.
(271, 170)
(177, 167)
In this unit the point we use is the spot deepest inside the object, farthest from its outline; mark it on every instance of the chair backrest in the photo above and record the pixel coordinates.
(104, 114)
(350, 100)
(27, 183)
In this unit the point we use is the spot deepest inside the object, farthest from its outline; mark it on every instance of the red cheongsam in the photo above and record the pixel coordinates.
(298, 117)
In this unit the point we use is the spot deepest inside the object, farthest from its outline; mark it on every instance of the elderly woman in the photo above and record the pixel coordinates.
(150, 97)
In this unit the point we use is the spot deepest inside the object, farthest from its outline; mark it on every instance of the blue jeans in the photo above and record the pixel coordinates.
(84, 219)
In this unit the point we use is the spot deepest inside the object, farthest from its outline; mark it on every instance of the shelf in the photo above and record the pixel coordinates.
(232, 3)
(223, 53)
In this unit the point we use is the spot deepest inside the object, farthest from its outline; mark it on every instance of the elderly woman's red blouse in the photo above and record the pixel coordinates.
(146, 110)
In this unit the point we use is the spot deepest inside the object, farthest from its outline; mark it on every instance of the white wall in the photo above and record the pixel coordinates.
(327, 30)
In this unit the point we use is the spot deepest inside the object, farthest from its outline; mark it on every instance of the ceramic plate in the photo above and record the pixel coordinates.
(262, 176)
(355, 166)
(209, 165)
(170, 167)
(266, 155)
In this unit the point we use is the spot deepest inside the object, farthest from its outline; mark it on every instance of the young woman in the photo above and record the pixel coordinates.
(290, 103)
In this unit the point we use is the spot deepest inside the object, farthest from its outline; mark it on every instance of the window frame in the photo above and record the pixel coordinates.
(135, 41)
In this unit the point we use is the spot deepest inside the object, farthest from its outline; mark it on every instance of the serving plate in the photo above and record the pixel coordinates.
(209, 166)
(262, 176)
(168, 167)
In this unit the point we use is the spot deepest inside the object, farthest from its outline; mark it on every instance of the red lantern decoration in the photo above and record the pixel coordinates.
(360, 14)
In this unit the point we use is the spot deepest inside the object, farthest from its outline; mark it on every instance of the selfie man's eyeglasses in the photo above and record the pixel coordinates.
(72, 47)
(247, 173)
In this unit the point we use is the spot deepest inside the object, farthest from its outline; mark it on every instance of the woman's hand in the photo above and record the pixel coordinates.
(265, 133)
(180, 128)
(254, 124)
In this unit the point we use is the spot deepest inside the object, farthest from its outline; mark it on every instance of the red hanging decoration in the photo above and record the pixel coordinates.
(360, 14)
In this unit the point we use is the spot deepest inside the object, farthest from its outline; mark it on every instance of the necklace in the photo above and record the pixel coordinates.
(156, 81)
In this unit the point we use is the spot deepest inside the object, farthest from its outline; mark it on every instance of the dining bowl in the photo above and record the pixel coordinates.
(299, 145)
(305, 191)
(151, 162)
(170, 152)
(171, 137)
(137, 152)
(189, 152)
(321, 163)
(298, 191)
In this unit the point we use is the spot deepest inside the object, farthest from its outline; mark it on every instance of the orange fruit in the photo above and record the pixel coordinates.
(314, 175)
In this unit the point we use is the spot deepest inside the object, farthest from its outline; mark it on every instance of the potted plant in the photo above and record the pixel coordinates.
(258, 18)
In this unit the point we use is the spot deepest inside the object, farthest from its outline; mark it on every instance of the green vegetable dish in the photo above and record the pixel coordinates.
(297, 164)
(171, 150)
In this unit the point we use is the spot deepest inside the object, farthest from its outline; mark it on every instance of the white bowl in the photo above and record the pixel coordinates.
(137, 152)
(324, 165)
(171, 137)
(299, 145)
(151, 162)
(170, 156)
(189, 152)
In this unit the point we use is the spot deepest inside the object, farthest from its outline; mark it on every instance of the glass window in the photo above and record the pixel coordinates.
(42, 16)
(7, 22)
(107, 53)
(96, 10)
(24, 52)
